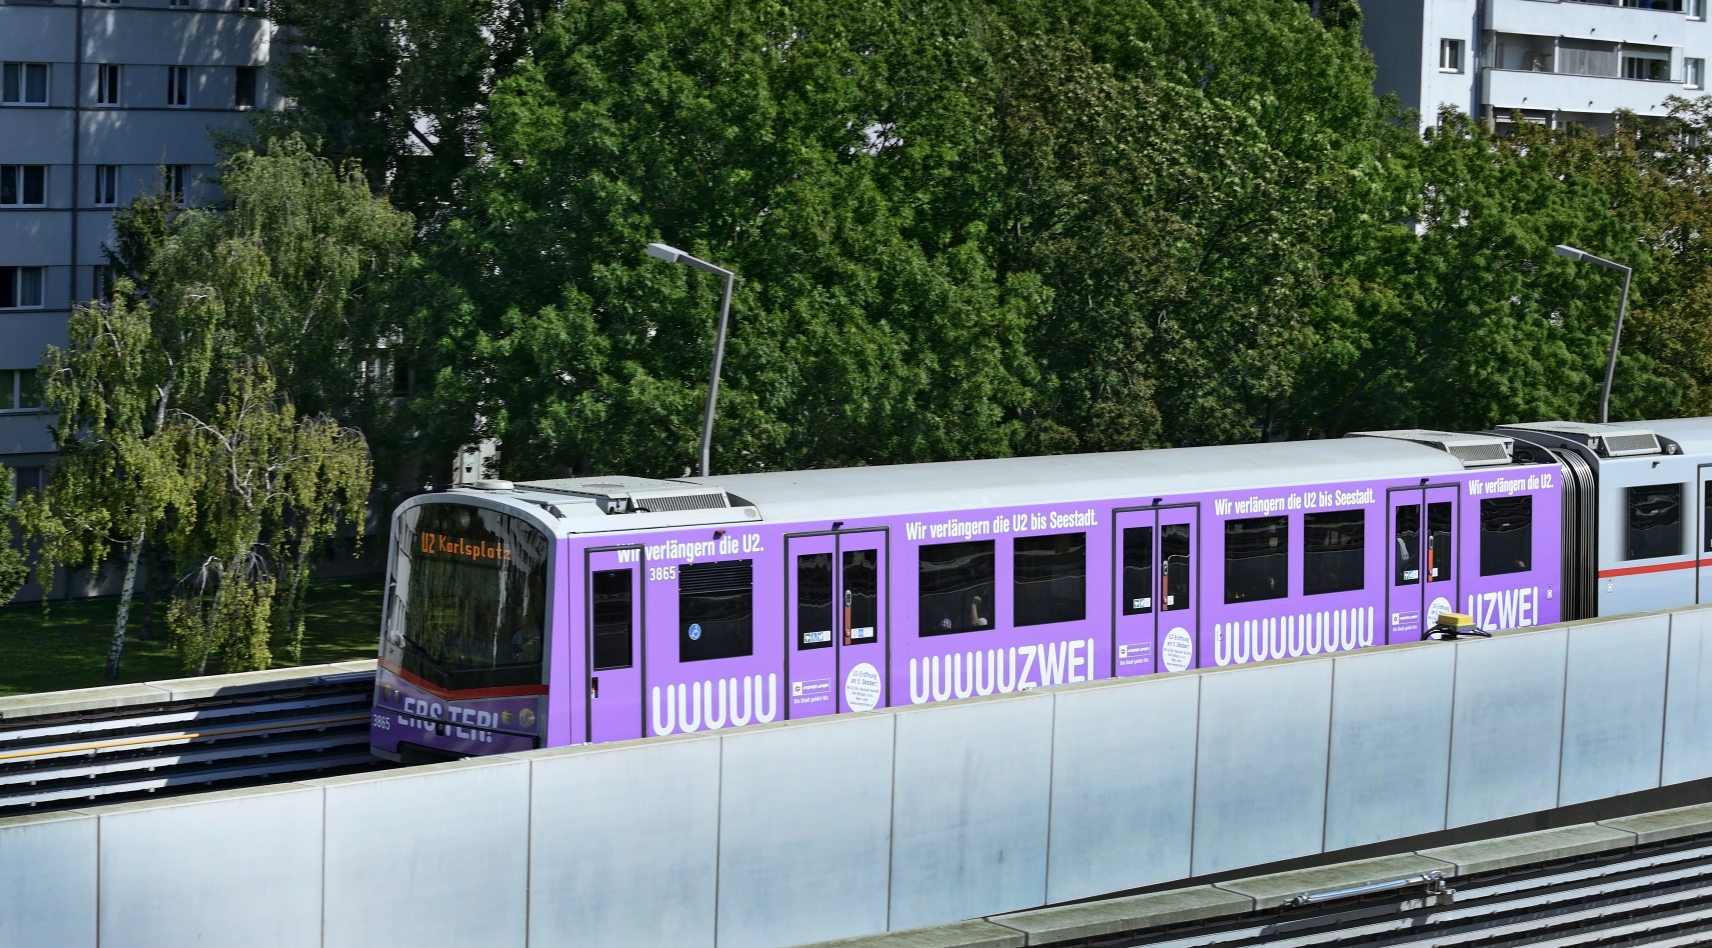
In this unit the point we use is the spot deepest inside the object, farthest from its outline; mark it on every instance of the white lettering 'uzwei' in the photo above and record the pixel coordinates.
(1259, 640)
(982, 672)
(1505, 608)
(691, 707)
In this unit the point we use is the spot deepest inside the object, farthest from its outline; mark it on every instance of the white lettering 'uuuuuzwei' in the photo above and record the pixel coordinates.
(961, 674)
(1506, 608)
(691, 707)
(1256, 640)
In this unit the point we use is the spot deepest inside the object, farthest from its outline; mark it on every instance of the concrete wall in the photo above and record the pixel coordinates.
(795, 832)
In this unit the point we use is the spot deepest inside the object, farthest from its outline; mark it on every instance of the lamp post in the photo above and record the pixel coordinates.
(674, 255)
(1565, 250)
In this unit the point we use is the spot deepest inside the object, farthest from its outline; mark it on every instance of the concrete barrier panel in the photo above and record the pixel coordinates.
(1688, 699)
(47, 881)
(969, 809)
(624, 844)
(1260, 782)
(238, 867)
(805, 831)
(1390, 744)
(1613, 708)
(435, 857)
(1123, 782)
(1507, 728)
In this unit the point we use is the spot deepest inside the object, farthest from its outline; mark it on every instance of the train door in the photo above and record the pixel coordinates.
(1420, 559)
(836, 605)
(613, 666)
(1154, 621)
(1703, 533)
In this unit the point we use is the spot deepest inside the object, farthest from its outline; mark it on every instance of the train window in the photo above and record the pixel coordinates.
(1439, 559)
(1408, 543)
(1257, 559)
(1506, 535)
(612, 619)
(1707, 519)
(814, 600)
(1174, 555)
(473, 586)
(716, 610)
(1051, 578)
(1137, 570)
(861, 596)
(956, 583)
(1655, 521)
(1333, 551)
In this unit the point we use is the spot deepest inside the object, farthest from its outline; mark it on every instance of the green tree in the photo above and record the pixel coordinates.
(14, 571)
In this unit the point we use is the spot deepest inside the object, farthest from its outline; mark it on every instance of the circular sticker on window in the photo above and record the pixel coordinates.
(695, 631)
(1178, 649)
(862, 687)
(1441, 604)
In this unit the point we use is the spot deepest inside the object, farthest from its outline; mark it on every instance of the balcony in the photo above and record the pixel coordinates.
(1506, 89)
(1587, 20)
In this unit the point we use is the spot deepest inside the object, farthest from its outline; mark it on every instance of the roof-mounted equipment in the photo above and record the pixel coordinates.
(1473, 450)
(622, 494)
(1607, 441)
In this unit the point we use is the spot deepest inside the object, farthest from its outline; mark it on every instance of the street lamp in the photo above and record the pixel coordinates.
(1565, 250)
(674, 255)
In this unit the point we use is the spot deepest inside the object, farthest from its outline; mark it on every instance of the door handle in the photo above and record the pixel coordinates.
(594, 687)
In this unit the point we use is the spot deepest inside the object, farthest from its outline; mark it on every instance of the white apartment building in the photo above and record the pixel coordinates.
(1554, 61)
(100, 99)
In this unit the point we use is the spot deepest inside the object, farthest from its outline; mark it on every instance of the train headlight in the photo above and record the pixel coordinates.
(505, 717)
(526, 718)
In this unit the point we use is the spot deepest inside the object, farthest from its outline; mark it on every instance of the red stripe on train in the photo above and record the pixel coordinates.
(464, 694)
(1654, 568)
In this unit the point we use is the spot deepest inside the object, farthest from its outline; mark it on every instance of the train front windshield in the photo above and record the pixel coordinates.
(468, 602)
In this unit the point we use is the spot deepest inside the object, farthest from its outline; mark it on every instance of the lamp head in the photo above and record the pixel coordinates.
(1564, 250)
(665, 252)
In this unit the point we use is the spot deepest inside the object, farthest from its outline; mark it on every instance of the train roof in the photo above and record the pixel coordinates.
(885, 490)
(1694, 435)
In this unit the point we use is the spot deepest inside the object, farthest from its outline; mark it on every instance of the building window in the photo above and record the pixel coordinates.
(101, 283)
(24, 84)
(19, 391)
(106, 185)
(1257, 559)
(716, 610)
(1696, 9)
(1450, 55)
(178, 3)
(107, 84)
(23, 185)
(1646, 66)
(249, 5)
(175, 176)
(956, 585)
(1506, 535)
(245, 97)
(1694, 73)
(20, 287)
(29, 480)
(177, 85)
(1050, 576)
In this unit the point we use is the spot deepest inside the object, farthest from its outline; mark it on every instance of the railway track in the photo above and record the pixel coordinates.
(1662, 898)
(313, 726)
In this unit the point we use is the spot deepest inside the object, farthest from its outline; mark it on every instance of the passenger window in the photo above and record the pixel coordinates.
(1137, 570)
(716, 610)
(1257, 559)
(956, 586)
(861, 596)
(612, 619)
(1334, 551)
(814, 600)
(1707, 518)
(1051, 578)
(1439, 557)
(1408, 543)
(1506, 535)
(1174, 555)
(1655, 521)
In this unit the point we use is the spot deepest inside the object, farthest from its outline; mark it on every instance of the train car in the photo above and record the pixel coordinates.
(597, 609)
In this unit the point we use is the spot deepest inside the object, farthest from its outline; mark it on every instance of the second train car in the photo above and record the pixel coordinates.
(597, 609)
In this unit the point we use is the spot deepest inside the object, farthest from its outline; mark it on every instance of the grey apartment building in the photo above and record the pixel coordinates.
(100, 100)
(1550, 61)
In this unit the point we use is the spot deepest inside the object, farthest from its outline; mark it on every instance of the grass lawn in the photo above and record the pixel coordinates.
(67, 646)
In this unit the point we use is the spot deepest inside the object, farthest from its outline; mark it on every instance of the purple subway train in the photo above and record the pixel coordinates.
(609, 608)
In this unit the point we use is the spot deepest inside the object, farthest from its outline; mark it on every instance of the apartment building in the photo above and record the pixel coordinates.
(100, 99)
(1553, 61)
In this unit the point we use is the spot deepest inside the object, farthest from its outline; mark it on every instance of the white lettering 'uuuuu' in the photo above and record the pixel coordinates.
(691, 707)
(1256, 640)
(982, 672)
